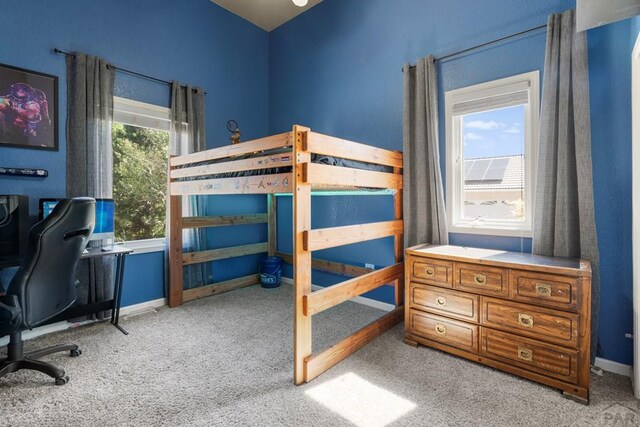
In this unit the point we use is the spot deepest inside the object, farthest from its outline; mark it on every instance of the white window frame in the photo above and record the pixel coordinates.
(478, 98)
(141, 114)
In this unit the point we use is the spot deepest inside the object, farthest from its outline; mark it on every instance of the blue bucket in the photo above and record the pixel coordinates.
(270, 271)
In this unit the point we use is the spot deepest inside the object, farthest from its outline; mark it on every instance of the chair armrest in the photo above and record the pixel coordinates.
(10, 314)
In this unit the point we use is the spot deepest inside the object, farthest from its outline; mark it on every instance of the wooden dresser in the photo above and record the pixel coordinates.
(525, 314)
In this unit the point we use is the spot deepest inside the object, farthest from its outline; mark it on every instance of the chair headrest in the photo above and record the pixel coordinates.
(70, 214)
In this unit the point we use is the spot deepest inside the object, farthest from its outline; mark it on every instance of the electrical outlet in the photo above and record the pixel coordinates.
(369, 266)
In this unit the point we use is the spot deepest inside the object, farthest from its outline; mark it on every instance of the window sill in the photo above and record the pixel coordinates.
(491, 230)
(145, 246)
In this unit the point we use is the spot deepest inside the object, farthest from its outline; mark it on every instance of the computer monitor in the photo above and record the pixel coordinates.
(105, 220)
(46, 207)
(105, 216)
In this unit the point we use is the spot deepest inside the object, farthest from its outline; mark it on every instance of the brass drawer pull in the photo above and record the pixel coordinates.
(480, 279)
(441, 301)
(429, 271)
(525, 354)
(525, 320)
(543, 289)
(441, 329)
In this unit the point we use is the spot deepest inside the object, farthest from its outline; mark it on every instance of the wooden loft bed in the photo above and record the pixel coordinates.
(293, 155)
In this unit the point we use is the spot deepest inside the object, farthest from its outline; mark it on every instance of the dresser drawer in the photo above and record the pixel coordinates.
(535, 322)
(443, 330)
(481, 279)
(545, 289)
(459, 305)
(536, 356)
(432, 271)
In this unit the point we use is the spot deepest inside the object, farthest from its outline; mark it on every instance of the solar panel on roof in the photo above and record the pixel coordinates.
(496, 170)
(467, 167)
(478, 170)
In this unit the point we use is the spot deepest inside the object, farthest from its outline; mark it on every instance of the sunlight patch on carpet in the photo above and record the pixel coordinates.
(360, 402)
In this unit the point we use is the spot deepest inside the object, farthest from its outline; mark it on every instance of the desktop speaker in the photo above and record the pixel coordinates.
(14, 225)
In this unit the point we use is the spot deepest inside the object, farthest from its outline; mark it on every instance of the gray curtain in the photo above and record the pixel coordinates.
(564, 223)
(188, 136)
(89, 155)
(424, 211)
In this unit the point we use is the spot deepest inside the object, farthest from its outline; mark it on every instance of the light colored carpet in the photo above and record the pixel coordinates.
(227, 360)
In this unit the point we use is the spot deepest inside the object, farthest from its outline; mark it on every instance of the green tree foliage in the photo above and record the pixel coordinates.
(140, 157)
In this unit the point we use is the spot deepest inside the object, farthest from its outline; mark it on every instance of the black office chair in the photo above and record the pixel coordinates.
(44, 285)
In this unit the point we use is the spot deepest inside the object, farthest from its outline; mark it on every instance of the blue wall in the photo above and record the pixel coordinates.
(143, 278)
(336, 69)
(635, 30)
(610, 75)
(193, 41)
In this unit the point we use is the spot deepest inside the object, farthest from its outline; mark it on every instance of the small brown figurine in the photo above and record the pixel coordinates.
(232, 126)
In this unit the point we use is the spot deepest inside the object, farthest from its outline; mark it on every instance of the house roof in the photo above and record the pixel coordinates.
(494, 173)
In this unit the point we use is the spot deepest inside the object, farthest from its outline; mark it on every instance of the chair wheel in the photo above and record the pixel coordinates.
(62, 380)
(75, 353)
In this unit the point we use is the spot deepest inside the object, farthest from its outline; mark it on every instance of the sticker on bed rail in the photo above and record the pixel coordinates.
(242, 184)
(202, 187)
(274, 159)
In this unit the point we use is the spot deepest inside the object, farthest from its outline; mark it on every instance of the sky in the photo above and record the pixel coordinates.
(494, 133)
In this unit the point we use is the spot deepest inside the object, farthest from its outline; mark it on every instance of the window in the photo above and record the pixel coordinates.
(140, 137)
(491, 156)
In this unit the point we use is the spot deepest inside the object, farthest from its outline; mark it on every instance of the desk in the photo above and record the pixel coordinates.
(120, 253)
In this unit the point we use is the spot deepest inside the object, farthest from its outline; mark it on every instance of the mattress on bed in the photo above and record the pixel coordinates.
(315, 158)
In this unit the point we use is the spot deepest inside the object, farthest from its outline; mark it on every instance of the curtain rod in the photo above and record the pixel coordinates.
(124, 70)
(530, 30)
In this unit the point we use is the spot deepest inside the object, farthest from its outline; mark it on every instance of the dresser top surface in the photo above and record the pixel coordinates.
(495, 257)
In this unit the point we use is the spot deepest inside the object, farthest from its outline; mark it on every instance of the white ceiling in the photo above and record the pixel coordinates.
(266, 14)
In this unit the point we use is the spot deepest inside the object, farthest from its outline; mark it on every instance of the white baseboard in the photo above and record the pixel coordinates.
(46, 329)
(360, 300)
(615, 367)
(132, 310)
(61, 326)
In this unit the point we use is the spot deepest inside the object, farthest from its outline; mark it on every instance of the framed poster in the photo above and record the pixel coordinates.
(28, 109)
